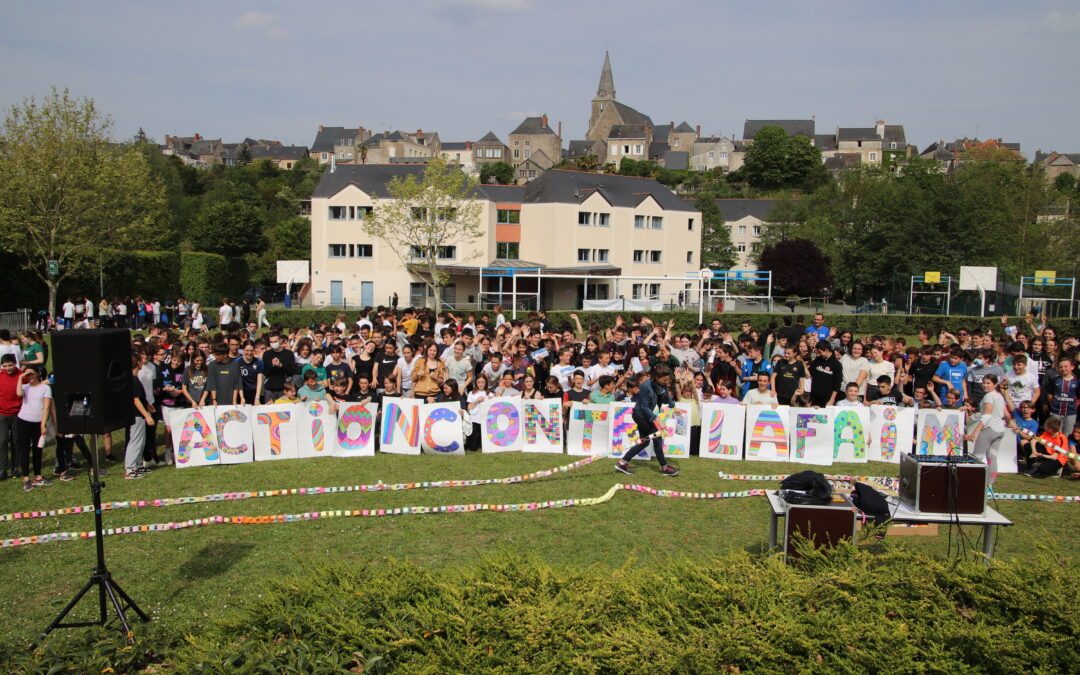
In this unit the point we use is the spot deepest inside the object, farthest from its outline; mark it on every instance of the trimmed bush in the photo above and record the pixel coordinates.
(847, 610)
(860, 324)
(209, 277)
(153, 274)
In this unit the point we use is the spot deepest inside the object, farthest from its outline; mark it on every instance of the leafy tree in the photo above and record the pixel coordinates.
(1065, 183)
(717, 252)
(499, 173)
(776, 160)
(421, 216)
(797, 266)
(67, 191)
(230, 229)
(292, 239)
(243, 157)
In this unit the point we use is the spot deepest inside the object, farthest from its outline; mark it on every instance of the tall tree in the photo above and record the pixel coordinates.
(422, 217)
(776, 160)
(67, 191)
(500, 173)
(717, 252)
(797, 266)
(229, 228)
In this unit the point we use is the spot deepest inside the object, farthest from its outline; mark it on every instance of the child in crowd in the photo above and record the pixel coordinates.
(288, 394)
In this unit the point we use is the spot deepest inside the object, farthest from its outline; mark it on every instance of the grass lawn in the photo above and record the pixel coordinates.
(185, 577)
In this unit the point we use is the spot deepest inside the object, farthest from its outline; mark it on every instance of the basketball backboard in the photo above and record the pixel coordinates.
(292, 271)
(978, 278)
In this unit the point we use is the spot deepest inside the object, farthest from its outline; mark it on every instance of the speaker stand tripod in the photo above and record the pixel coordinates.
(109, 592)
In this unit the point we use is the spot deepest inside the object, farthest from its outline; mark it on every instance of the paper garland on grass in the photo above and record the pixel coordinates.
(376, 513)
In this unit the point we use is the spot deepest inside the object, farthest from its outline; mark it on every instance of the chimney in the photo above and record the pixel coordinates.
(468, 145)
(197, 136)
(697, 131)
(879, 128)
(320, 127)
(672, 125)
(560, 130)
(544, 118)
(419, 133)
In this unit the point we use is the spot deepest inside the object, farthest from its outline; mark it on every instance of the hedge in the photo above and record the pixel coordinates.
(153, 274)
(209, 277)
(851, 610)
(860, 324)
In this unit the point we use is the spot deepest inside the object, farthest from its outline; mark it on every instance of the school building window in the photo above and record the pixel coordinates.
(583, 255)
(507, 217)
(337, 250)
(506, 250)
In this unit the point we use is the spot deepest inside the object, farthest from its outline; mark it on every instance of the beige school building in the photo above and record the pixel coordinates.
(563, 238)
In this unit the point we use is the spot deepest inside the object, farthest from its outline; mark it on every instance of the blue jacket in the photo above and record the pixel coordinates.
(651, 394)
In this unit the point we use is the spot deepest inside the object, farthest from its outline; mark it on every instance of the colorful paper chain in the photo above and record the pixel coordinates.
(288, 492)
(376, 513)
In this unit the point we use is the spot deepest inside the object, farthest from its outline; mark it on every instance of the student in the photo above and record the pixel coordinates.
(990, 427)
(223, 381)
(279, 364)
(652, 393)
(251, 377)
(10, 403)
(826, 376)
(761, 395)
(924, 397)
(288, 394)
(851, 396)
(788, 375)
(604, 392)
(31, 425)
(473, 402)
(194, 383)
(1027, 428)
(339, 390)
(1023, 384)
(1062, 394)
(723, 394)
(1044, 461)
(855, 366)
(951, 376)
(337, 367)
(316, 364)
(752, 366)
(312, 390)
(365, 392)
(506, 388)
(886, 394)
(428, 372)
(133, 468)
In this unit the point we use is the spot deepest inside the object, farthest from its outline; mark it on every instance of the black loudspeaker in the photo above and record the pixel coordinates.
(92, 387)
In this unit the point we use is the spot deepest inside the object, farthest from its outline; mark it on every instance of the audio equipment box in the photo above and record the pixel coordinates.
(943, 485)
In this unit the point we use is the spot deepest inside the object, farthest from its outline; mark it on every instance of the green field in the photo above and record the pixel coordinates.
(184, 577)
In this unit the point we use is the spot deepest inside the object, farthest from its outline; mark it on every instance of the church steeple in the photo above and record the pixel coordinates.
(606, 89)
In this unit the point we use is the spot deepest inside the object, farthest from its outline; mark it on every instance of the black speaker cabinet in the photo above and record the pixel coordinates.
(938, 485)
(824, 525)
(92, 387)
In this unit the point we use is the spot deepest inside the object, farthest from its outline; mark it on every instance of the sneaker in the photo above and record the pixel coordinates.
(41, 482)
(624, 467)
(67, 477)
(669, 470)
(110, 458)
(168, 461)
(27, 486)
(133, 475)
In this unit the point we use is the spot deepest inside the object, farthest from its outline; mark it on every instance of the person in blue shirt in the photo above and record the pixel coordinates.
(819, 328)
(753, 366)
(653, 392)
(951, 375)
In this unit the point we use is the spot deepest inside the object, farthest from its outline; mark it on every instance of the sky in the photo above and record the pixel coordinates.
(230, 69)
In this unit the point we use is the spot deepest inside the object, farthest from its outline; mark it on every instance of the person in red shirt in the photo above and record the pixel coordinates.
(1048, 451)
(9, 408)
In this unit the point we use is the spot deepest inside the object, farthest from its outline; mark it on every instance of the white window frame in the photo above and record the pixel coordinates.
(603, 255)
(370, 251)
(331, 251)
(639, 255)
(656, 257)
(657, 222)
(583, 255)
(639, 222)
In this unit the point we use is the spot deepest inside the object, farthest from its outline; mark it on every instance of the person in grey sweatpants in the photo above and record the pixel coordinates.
(137, 431)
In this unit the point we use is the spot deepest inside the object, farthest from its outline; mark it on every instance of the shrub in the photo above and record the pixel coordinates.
(208, 277)
(860, 324)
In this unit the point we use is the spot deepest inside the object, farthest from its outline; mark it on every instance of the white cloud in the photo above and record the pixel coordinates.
(264, 23)
(1062, 22)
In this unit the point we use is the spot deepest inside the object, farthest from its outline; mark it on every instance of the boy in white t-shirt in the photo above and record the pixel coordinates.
(851, 397)
(761, 395)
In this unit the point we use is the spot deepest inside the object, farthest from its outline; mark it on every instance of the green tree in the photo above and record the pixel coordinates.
(291, 239)
(717, 252)
(775, 160)
(798, 266)
(499, 173)
(423, 216)
(229, 228)
(67, 191)
(1065, 183)
(243, 157)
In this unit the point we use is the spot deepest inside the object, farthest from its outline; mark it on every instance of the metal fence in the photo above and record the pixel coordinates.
(18, 320)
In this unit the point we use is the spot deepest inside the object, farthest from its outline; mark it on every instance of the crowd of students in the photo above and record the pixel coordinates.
(1019, 377)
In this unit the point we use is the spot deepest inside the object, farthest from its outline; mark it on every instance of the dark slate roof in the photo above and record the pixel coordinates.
(657, 149)
(894, 133)
(504, 193)
(454, 145)
(204, 147)
(856, 134)
(631, 116)
(533, 125)
(628, 131)
(792, 127)
(661, 133)
(737, 209)
(371, 178)
(825, 141)
(573, 187)
(684, 128)
(677, 160)
(580, 149)
(708, 139)
(490, 137)
(278, 152)
(327, 138)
